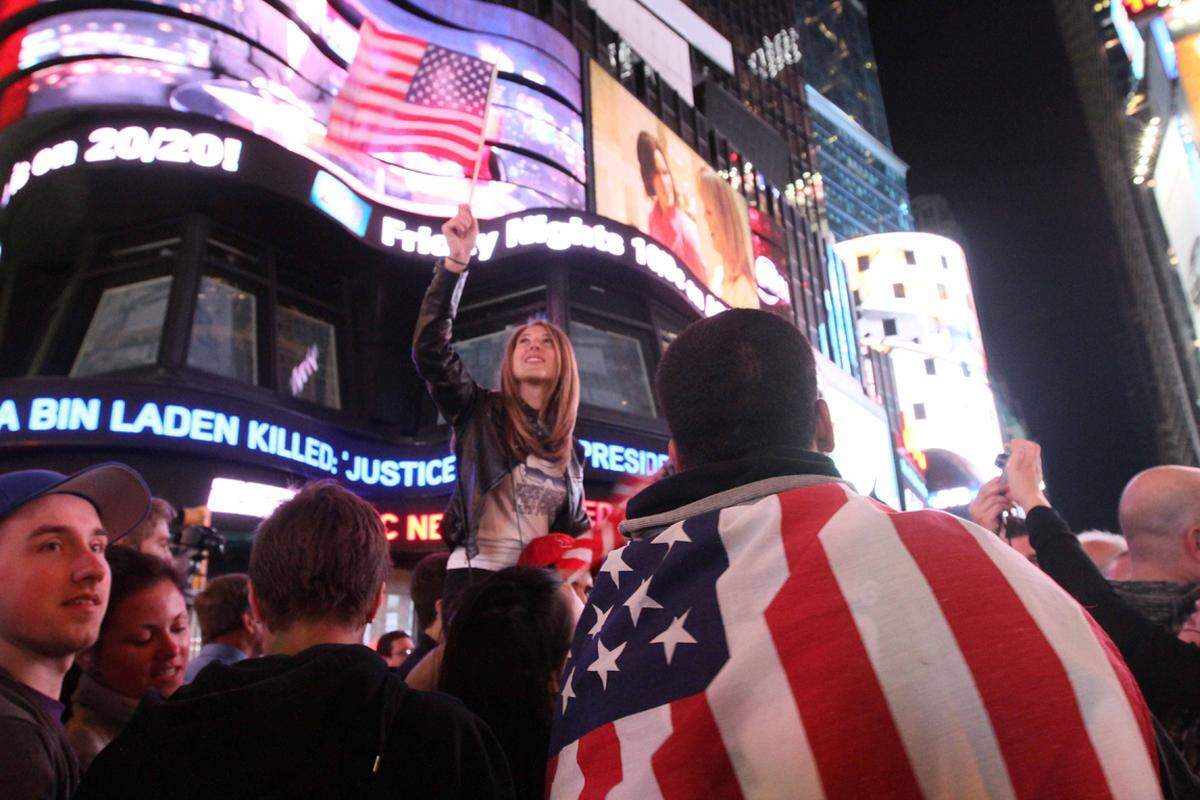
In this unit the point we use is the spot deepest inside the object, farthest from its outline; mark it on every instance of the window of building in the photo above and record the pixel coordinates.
(224, 339)
(306, 357)
(966, 368)
(910, 258)
(942, 293)
(930, 367)
(483, 355)
(612, 370)
(126, 328)
(864, 263)
(945, 263)
(889, 327)
(898, 290)
(918, 410)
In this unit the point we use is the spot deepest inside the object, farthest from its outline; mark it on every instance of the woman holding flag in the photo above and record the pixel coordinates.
(519, 472)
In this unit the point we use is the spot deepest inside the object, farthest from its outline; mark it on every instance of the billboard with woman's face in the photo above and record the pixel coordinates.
(647, 177)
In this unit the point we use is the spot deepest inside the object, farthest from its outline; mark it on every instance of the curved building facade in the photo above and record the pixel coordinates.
(916, 305)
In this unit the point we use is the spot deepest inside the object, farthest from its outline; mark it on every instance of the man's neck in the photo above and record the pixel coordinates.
(302, 635)
(1141, 569)
(235, 639)
(41, 673)
(434, 631)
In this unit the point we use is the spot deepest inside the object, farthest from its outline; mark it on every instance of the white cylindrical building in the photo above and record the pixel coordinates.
(915, 303)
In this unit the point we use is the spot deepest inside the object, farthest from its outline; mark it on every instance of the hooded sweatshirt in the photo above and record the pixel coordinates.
(330, 722)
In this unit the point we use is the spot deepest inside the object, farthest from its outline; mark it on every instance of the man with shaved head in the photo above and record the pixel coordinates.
(1160, 517)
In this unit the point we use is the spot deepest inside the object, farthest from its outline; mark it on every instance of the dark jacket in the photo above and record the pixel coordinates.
(1166, 669)
(36, 763)
(331, 722)
(477, 417)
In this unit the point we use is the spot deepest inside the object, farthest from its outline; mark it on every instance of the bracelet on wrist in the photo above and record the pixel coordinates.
(460, 263)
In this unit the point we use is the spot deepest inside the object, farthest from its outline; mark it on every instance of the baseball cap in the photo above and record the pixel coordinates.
(117, 491)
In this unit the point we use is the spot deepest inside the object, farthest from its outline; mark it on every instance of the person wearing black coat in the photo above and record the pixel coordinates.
(519, 473)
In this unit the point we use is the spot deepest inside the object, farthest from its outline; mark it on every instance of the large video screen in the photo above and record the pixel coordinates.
(649, 178)
(274, 68)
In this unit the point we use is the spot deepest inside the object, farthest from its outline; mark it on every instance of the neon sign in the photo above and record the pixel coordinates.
(132, 143)
(219, 426)
(1135, 7)
(557, 235)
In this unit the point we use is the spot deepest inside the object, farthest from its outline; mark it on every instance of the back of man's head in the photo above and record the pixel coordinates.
(428, 580)
(1160, 518)
(320, 557)
(220, 607)
(735, 383)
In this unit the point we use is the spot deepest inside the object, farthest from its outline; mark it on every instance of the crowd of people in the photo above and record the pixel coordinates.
(763, 632)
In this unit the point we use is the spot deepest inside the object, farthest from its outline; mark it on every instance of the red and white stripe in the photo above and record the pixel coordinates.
(882, 654)
(371, 111)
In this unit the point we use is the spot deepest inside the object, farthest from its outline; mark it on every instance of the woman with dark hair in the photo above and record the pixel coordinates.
(504, 651)
(519, 475)
(668, 223)
(143, 646)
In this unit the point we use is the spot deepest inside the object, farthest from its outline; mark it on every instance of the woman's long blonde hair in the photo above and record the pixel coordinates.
(562, 403)
(731, 235)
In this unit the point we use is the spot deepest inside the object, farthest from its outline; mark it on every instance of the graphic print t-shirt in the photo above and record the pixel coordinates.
(519, 509)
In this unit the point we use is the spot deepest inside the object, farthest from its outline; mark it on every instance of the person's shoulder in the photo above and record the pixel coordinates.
(434, 707)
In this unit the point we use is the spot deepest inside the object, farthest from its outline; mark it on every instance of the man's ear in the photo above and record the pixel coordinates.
(673, 454)
(256, 609)
(379, 597)
(823, 441)
(437, 607)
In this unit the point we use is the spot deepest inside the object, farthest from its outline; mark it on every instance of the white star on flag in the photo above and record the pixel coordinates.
(601, 618)
(606, 661)
(673, 636)
(671, 536)
(614, 566)
(568, 693)
(640, 599)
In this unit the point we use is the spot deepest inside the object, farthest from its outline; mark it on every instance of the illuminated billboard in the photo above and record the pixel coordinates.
(273, 68)
(650, 179)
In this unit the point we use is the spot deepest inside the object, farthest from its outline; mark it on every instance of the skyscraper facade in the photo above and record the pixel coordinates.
(863, 183)
(1156, 354)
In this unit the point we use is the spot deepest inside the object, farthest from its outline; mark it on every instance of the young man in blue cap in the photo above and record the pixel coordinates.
(54, 586)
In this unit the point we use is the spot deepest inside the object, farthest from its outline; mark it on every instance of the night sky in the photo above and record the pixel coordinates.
(981, 104)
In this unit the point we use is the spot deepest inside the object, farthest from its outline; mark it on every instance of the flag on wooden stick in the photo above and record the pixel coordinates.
(404, 94)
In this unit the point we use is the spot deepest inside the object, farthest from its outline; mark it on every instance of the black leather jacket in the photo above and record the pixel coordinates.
(477, 417)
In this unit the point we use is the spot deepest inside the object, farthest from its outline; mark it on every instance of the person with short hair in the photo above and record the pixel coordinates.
(142, 648)
(394, 647)
(228, 628)
(319, 715)
(54, 588)
(428, 579)
(504, 650)
(153, 534)
(769, 632)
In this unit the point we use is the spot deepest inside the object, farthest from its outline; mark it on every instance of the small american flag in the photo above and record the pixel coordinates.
(403, 94)
(815, 644)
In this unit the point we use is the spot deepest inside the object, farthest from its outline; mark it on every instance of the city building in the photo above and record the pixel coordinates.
(198, 282)
(1112, 48)
(932, 214)
(916, 308)
(838, 60)
(863, 183)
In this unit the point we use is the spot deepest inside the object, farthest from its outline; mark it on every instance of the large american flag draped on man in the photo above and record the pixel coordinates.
(814, 644)
(403, 94)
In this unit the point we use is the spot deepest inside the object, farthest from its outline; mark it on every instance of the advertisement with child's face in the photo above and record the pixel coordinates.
(648, 178)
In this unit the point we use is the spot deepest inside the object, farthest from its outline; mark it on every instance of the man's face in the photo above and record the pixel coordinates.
(400, 649)
(580, 581)
(158, 543)
(54, 580)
